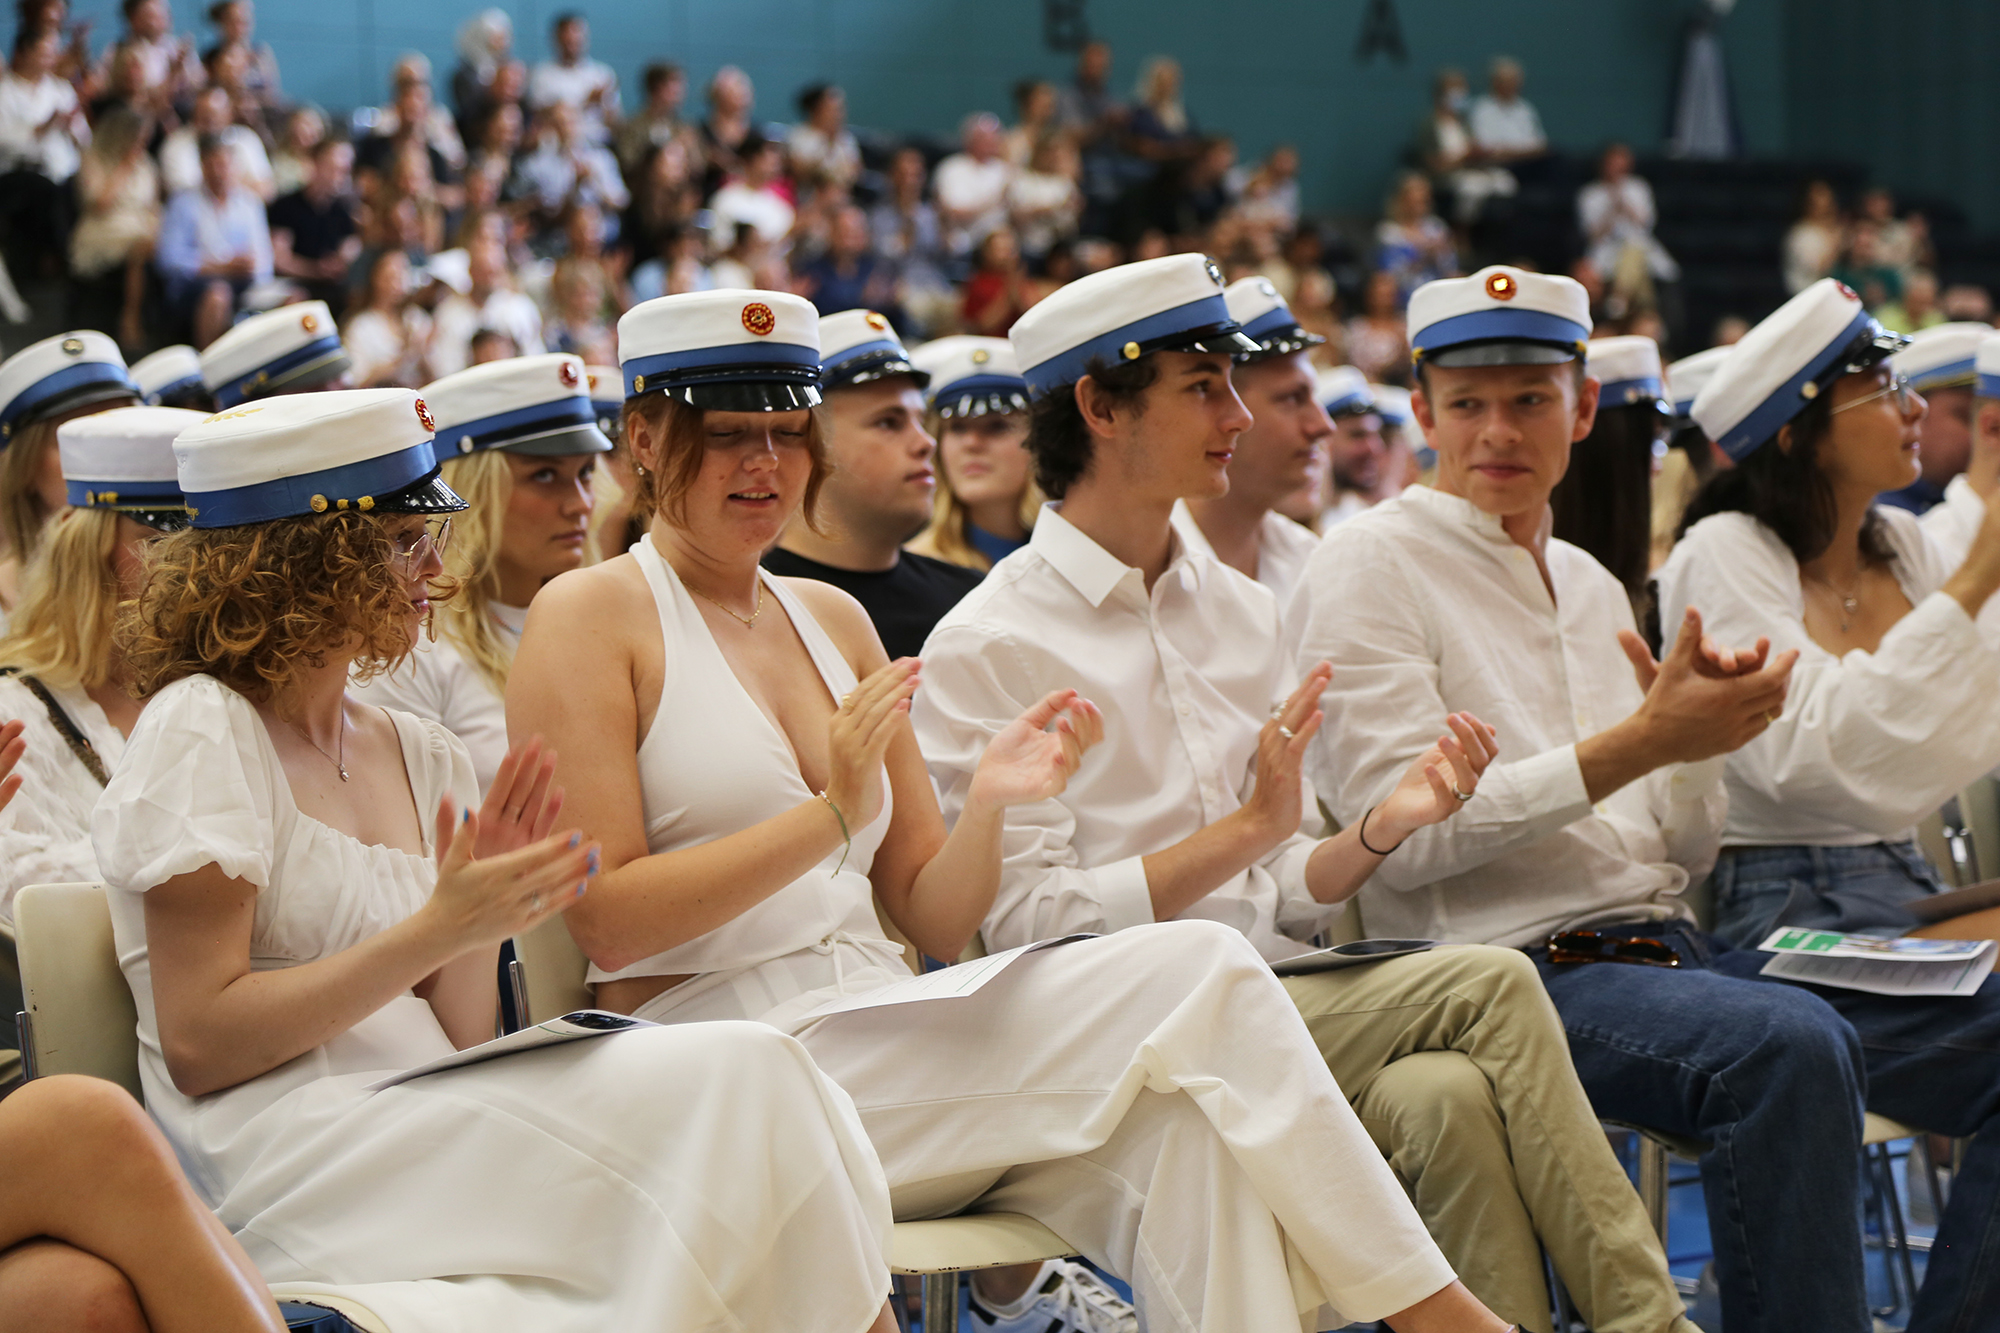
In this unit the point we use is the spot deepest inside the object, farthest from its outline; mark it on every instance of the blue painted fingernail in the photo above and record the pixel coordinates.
(575, 839)
(593, 863)
(581, 887)
(466, 818)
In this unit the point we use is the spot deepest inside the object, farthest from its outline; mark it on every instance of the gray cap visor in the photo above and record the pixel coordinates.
(1503, 352)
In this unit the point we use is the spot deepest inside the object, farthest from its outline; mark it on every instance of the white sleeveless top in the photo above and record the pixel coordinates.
(713, 764)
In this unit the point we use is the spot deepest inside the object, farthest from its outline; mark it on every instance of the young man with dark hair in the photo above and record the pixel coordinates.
(1452, 1057)
(315, 234)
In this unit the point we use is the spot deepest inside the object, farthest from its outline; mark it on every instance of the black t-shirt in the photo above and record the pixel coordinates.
(904, 602)
(316, 232)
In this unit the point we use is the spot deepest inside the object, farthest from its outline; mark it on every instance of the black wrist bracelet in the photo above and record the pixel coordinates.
(1362, 833)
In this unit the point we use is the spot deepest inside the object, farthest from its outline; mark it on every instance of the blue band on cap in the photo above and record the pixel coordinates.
(288, 497)
(610, 407)
(1988, 386)
(153, 396)
(495, 431)
(983, 383)
(238, 390)
(1498, 325)
(671, 367)
(123, 494)
(1937, 375)
(1072, 365)
(1629, 393)
(848, 356)
(67, 380)
(1270, 324)
(1742, 439)
(1348, 400)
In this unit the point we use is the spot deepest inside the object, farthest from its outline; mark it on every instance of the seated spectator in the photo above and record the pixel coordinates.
(821, 149)
(747, 260)
(1967, 301)
(577, 323)
(228, 67)
(388, 338)
(1918, 309)
(490, 301)
(658, 121)
(971, 185)
(1159, 128)
(1044, 201)
(165, 65)
(731, 98)
(1036, 107)
(586, 86)
(492, 345)
(215, 117)
(1377, 341)
(1504, 124)
(1412, 244)
(214, 243)
(42, 130)
(496, 145)
(565, 165)
(1861, 267)
(1617, 215)
(304, 129)
(235, 23)
(756, 196)
(999, 291)
(1903, 243)
(73, 66)
(118, 191)
(1267, 196)
(411, 123)
(315, 236)
(1456, 163)
(1815, 242)
(680, 266)
(850, 275)
(987, 500)
(485, 43)
(665, 199)
(908, 231)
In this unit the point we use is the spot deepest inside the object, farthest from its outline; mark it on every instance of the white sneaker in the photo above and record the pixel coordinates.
(1065, 1297)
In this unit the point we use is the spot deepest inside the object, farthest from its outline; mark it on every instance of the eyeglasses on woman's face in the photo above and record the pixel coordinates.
(1908, 401)
(410, 546)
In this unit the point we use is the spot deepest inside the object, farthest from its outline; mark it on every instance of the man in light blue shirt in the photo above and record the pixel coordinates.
(214, 243)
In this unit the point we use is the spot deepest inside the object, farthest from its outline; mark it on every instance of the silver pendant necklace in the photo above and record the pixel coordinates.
(340, 762)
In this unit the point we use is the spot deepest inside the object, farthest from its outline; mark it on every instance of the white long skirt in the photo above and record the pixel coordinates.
(690, 1179)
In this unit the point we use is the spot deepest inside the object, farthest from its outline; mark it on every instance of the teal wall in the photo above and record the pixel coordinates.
(1261, 70)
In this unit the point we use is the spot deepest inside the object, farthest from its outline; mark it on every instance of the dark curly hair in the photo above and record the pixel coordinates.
(254, 606)
(1058, 439)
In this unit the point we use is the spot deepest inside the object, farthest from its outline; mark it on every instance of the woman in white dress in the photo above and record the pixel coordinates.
(289, 941)
(1153, 1096)
(518, 439)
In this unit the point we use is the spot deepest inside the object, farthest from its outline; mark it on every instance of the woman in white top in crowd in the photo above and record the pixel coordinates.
(986, 494)
(741, 745)
(41, 386)
(61, 674)
(1892, 707)
(300, 909)
(518, 439)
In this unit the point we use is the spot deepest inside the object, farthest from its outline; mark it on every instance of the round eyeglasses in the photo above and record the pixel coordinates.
(409, 547)
(1908, 400)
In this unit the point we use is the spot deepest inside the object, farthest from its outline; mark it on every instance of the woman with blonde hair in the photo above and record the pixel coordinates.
(986, 493)
(518, 440)
(41, 386)
(119, 190)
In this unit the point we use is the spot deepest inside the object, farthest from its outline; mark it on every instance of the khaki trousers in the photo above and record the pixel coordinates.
(1456, 1063)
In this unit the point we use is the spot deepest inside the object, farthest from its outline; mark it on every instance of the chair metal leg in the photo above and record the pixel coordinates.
(940, 1302)
(1653, 1184)
(24, 1023)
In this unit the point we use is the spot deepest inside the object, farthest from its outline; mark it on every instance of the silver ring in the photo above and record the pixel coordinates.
(1460, 795)
(1287, 732)
(1278, 710)
(535, 903)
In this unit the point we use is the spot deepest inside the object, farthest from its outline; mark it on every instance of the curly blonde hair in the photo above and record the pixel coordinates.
(678, 428)
(255, 606)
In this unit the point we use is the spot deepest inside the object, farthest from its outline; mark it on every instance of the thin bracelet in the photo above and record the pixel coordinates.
(1362, 833)
(846, 837)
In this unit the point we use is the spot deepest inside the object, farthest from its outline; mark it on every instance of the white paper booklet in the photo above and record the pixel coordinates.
(1878, 966)
(950, 983)
(570, 1027)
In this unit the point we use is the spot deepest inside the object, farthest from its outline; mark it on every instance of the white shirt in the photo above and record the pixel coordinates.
(180, 160)
(1283, 547)
(24, 108)
(1425, 607)
(457, 318)
(967, 186)
(45, 830)
(440, 683)
(1868, 743)
(1506, 127)
(1615, 216)
(552, 82)
(1186, 676)
(765, 210)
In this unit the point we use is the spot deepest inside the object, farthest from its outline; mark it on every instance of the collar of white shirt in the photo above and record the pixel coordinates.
(1093, 571)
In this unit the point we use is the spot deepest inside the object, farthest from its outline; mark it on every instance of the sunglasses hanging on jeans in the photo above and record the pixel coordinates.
(1590, 946)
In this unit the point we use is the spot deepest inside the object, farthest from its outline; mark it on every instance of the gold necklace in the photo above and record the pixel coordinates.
(1849, 601)
(339, 763)
(749, 622)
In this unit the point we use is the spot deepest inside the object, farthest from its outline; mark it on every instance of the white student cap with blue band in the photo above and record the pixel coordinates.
(287, 350)
(1627, 371)
(1986, 366)
(859, 347)
(972, 376)
(1266, 319)
(1786, 362)
(1173, 304)
(168, 373)
(525, 404)
(1941, 356)
(57, 374)
(345, 450)
(729, 351)
(1687, 377)
(607, 394)
(123, 460)
(1343, 391)
(1392, 404)
(1499, 316)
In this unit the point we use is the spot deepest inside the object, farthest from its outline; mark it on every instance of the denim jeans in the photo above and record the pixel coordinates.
(1773, 1077)
(1758, 889)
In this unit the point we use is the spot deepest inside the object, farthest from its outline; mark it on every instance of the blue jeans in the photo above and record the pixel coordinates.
(1773, 1077)
(1864, 889)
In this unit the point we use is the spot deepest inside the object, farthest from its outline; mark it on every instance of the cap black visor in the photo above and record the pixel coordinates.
(566, 442)
(315, 374)
(879, 367)
(1503, 352)
(748, 395)
(993, 403)
(1220, 339)
(160, 520)
(1291, 340)
(84, 395)
(427, 495)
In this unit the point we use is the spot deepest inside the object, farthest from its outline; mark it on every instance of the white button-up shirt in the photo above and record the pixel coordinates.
(1868, 743)
(1186, 675)
(1283, 547)
(1426, 607)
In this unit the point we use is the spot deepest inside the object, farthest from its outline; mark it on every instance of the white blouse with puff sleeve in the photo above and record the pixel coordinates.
(45, 829)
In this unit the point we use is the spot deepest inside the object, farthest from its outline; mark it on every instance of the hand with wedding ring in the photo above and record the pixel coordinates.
(858, 737)
(1439, 783)
(1277, 802)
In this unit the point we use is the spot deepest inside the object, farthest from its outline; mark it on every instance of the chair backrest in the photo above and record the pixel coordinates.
(78, 1003)
(554, 969)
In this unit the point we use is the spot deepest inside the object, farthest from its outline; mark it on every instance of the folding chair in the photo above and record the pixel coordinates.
(552, 969)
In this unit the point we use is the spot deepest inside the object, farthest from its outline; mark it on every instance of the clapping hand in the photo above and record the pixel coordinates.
(500, 869)
(12, 747)
(1034, 756)
(1277, 801)
(1439, 783)
(1704, 699)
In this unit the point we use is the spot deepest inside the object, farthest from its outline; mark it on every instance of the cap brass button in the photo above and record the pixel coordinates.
(319, 504)
(1131, 351)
